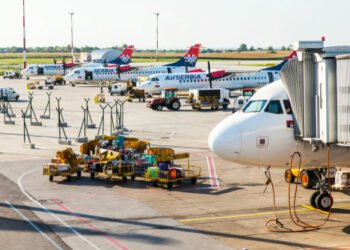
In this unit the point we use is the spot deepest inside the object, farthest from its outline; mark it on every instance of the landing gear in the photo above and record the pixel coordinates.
(322, 198)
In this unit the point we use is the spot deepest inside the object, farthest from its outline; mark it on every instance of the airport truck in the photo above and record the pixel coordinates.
(210, 97)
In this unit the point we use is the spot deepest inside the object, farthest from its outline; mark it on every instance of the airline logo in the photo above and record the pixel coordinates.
(52, 67)
(183, 77)
(104, 71)
(191, 59)
(125, 59)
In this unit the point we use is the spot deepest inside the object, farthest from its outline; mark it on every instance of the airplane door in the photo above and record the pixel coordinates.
(88, 75)
(40, 70)
(169, 70)
(270, 77)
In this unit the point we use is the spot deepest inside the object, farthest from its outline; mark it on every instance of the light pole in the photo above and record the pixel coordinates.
(24, 38)
(71, 30)
(157, 14)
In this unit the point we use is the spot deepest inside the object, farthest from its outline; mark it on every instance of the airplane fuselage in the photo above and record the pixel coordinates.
(262, 134)
(185, 81)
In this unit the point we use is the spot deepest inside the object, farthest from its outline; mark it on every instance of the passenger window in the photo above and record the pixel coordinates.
(274, 107)
(288, 107)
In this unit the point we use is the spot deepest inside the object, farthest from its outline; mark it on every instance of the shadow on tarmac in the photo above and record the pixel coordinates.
(140, 222)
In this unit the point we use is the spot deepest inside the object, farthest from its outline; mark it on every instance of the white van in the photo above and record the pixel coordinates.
(240, 102)
(9, 94)
(11, 75)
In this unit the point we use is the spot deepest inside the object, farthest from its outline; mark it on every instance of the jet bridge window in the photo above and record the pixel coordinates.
(254, 106)
(274, 107)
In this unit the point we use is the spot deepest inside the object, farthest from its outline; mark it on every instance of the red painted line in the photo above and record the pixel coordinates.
(212, 173)
(92, 226)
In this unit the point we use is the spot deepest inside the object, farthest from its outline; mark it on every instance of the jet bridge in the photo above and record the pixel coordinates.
(318, 85)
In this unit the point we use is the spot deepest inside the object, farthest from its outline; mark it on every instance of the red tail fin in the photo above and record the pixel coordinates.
(194, 51)
(292, 55)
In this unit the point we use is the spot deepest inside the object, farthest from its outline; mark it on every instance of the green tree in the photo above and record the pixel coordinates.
(243, 47)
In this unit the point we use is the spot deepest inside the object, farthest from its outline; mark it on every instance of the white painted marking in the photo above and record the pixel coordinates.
(34, 226)
(19, 183)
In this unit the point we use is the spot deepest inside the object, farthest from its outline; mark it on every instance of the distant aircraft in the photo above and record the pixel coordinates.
(111, 73)
(123, 59)
(47, 69)
(64, 68)
(220, 79)
(262, 134)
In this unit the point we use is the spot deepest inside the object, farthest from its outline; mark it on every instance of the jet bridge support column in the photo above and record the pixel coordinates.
(309, 95)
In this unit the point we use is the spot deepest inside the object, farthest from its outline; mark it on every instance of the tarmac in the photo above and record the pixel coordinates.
(226, 209)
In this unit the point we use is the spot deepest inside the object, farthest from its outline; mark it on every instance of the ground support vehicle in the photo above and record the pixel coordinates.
(168, 99)
(210, 98)
(118, 169)
(168, 171)
(137, 94)
(102, 154)
(65, 164)
(242, 100)
(12, 75)
(308, 178)
(100, 98)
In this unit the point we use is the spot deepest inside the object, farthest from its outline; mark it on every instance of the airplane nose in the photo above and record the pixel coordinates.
(225, 142)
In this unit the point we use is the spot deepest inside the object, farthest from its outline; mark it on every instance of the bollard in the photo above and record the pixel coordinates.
(61, 129)
(111, 124)
(47, 108)
(63, 123)
(101, 127)
(89, 123)
(26, 135)
(32, 112)
(83, 127)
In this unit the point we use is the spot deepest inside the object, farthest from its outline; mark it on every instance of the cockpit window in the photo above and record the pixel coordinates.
(254, 106)
(288, 107)
(274, 107)
(77, 72)
(31, 67)
(155, 79)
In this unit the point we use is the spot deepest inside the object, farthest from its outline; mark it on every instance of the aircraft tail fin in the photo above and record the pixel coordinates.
(125, 57)
(189, 59)
(278, 67)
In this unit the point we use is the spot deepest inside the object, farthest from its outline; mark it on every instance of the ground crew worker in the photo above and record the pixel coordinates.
(101, 87)
(110, 87)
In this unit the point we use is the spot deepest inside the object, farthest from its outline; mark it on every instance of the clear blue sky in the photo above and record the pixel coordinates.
(215, 24)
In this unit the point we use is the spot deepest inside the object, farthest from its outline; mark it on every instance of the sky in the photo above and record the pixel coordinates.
(214, 23)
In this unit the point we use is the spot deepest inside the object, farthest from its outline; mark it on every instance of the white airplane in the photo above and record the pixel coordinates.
(64, 68)
(262, 134)
(46, 69)
(112, 73)
(220, 79)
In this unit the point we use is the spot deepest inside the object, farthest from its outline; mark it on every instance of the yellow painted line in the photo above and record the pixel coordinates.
(236, 216)
(239, 216)
(314, 209)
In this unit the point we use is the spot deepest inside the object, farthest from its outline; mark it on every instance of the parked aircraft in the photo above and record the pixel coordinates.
(110, 73)
(220, 79)
(262, 134)
(64, 68)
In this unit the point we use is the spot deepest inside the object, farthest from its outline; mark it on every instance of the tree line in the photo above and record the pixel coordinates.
(241, 48)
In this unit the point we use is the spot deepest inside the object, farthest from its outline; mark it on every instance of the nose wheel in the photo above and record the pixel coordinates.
(322, 199)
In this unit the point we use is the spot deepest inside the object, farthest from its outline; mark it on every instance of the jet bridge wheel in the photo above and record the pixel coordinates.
(288, 176)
